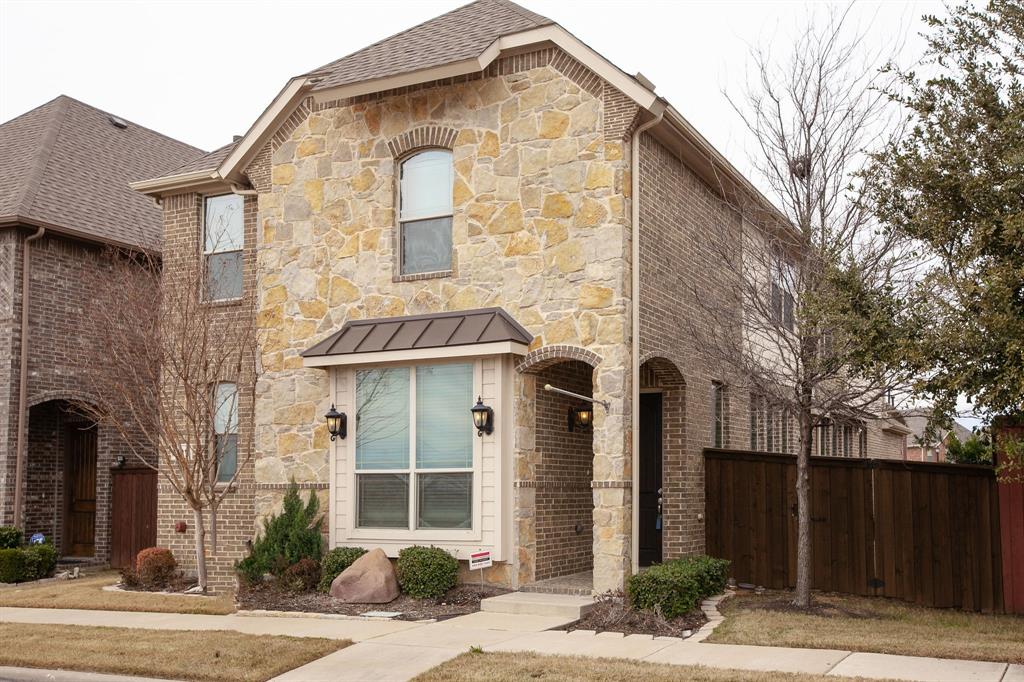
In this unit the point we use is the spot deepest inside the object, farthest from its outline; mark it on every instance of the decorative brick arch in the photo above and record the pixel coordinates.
(67, 396)
(423, 136)
(546, 356)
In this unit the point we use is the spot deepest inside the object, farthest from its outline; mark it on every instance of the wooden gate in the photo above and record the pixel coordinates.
(133, 514)
(921, 532)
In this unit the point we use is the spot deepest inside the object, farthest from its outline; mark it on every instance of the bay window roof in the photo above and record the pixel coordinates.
(421, 336)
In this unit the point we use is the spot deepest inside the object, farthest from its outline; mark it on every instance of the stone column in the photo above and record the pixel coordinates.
(613, 473)
(524, 499)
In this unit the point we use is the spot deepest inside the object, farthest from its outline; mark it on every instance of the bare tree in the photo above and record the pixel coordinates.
(817, 301)
(167, 373)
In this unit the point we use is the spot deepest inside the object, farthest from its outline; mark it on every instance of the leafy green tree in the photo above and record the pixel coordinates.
(974, 450)
(955, 183)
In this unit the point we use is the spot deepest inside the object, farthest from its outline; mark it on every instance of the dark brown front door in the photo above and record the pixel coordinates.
(80, 490)
(650, 479)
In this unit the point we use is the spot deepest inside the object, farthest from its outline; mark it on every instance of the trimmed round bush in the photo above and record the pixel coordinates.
(301, 576)
(155, 567)
(426, 572)
(676, 587)
(40, 560)
(10, 537)
(335, 562)
(12, 565)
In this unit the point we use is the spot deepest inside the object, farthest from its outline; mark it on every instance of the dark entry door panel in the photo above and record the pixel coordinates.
(649, 550)
(80, 490)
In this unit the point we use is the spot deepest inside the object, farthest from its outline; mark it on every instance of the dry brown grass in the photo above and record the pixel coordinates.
(211, 655)
(87, 593)
(870, 624)
(501, 667)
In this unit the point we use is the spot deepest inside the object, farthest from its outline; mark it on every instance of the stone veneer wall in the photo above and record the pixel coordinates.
(541, 228)
(682, 225)
(564, 499)
(60, 323)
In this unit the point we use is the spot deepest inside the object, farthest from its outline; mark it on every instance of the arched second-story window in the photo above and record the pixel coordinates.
(425, 212)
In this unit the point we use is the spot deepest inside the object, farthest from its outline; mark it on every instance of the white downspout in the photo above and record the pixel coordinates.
(634, 161)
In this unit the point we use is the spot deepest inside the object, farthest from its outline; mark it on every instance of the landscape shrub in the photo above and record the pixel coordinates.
(12, 565)
(155, 567)
(40, 560)
(676, 587)
(302, 576)
(336, 561)
(287, 538)
(425, 572)
(10, 537)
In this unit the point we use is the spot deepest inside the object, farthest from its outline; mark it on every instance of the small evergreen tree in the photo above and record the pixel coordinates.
(287, 538)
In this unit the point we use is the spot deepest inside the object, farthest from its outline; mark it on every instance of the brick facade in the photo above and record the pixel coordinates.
(60, 326)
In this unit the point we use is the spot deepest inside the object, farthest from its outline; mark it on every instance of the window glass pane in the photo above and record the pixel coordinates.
(382, 500)
(718, 400)
(426, 187)
(227, 456)
(224, 275)
(382, 418)
(427, 246)
(223, 221)
(444, 427)
(445, 500)
(225, 409)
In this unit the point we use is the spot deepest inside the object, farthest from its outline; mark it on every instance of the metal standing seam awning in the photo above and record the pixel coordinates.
(485, 331)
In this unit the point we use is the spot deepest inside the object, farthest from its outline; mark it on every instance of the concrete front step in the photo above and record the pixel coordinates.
(538, 604)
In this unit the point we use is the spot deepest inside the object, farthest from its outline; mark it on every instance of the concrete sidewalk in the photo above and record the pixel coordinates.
(393, 650)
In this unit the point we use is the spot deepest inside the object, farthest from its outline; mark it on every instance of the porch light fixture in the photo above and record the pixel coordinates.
(581, 418)
(483, 417)
(337, 423)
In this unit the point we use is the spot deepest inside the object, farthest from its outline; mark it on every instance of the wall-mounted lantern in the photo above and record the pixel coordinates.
(581, 418)
(120, 461)
(337, 423)
(483, 417)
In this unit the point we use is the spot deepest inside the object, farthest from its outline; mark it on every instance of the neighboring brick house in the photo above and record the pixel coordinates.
(922, 447)
(451, 214)
(64, 199)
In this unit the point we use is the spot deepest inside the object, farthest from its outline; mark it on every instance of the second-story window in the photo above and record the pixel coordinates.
(425, 212)
(222, 246)
(782, 286)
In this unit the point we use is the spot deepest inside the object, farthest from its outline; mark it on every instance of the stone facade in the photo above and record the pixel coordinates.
(541, 228)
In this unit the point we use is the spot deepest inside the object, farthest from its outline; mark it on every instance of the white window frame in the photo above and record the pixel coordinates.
(231, 432)
(207, 253)
(403, 220)
(411, 533)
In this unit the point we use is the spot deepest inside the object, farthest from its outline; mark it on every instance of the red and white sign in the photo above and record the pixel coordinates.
(480, 560)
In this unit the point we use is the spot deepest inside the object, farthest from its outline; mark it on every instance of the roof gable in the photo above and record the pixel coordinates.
(66, 164)
(460, 34)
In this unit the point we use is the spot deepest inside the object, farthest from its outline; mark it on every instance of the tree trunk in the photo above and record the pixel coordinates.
(200, 535)
(213, 529)
(802, 598)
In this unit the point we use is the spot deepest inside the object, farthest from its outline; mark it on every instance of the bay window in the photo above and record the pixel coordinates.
(414, 447)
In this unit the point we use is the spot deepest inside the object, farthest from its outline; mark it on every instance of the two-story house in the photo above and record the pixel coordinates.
(480, 211)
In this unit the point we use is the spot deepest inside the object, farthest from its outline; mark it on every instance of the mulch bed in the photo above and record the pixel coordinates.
(458, 601)
(611, 614)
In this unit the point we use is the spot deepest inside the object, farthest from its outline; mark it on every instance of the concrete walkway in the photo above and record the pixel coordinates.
(390, 650)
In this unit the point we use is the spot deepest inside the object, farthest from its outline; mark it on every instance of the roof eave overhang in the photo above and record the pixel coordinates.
(410, 355)
(15, 221)
(170, 183)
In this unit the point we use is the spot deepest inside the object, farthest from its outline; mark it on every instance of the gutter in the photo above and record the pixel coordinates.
(634, 161)
(19, 461)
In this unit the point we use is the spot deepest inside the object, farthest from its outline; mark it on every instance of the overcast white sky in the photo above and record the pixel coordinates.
(202, 71)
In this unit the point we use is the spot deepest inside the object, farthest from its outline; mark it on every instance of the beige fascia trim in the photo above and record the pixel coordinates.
(472, 350)
(584, 54)
(172, 182)
(271, 118)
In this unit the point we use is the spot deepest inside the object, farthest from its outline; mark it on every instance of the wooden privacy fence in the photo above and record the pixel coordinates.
(921, 532)
(132, 514)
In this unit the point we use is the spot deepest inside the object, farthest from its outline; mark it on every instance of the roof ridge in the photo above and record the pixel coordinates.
(525, 13)
(130, 122)
(41, 160)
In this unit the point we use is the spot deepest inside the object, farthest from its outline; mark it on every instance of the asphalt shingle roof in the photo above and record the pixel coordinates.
(209, 161)
(463, 33)
(67, 164)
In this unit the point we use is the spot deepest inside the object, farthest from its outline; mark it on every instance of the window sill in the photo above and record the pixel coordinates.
(440, 274)
(224, 302)
(413, 536)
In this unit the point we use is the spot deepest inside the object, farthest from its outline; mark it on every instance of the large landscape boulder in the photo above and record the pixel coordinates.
(369, 580)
